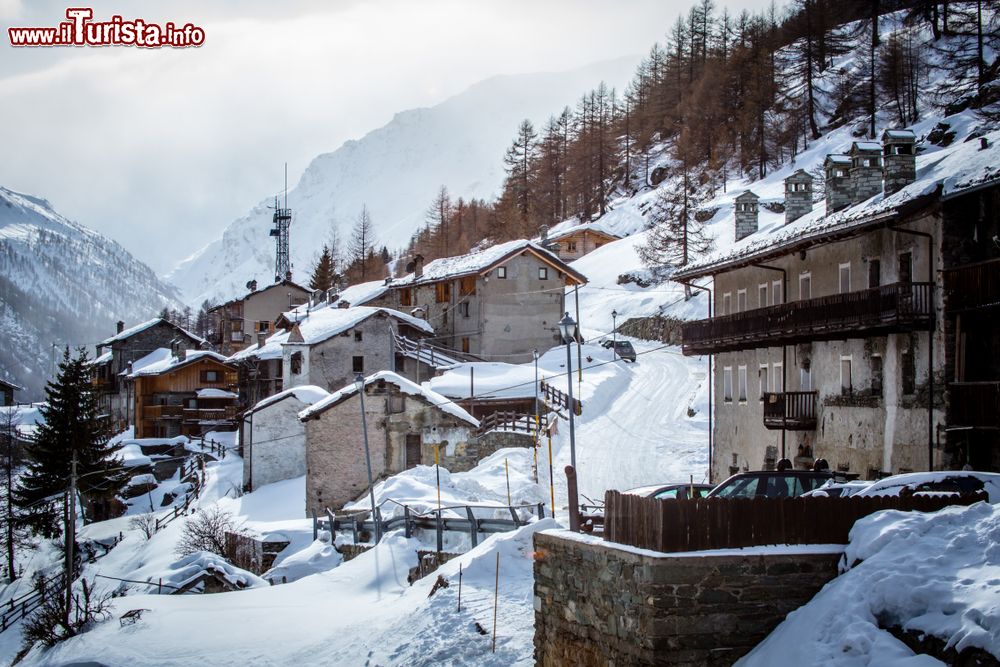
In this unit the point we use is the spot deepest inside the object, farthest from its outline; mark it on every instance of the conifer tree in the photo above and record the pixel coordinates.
(72, 426)
(323, 275)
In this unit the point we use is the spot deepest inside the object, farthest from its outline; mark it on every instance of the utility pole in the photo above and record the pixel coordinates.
(70, 538)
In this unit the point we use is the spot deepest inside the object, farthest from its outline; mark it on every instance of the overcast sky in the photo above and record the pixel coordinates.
(162, 148)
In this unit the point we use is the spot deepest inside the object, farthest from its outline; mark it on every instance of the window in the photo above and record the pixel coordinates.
(358, 364)
(405, 297)
(876, 375)
(357, 336)
(296, 363)
(727, 384)
(805, 379)
(905, 267)
(263, 326)
(443, 292)
(669, 493)
(805, 286)
(762, 376)
(845, 278)
(543, 273)
(467, 286)
(741, 301)
(501, 272)
(762, 295)
(874, 272)
(742, 379)
(777, 378)
(846, 386)
(777, 294)
(570, 246)
(727, 303)
(466, 347)
(464, 308)
(908, 372)
(210, 376)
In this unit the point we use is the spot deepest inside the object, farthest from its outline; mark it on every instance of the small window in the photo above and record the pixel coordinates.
(727, 384)
(877, 375)
(192, 403)
(263, 326)
(777, 378)
(762, 295)
(443, 292)
(357, 336)
(571, 246)
(466, 346)
(467, 286)
(727, 303)
(742, 378)
(741, 301)
(908, 372)
(905, 267)
(805, 286)
(874, 272)
(464, 308)
(502, 272)
(296, 363)
(405, 297)
(846, 385)
(776, 293)
(357, 364)
(805, 379)
(210, 376)
(845, 278)
(543, 273)
(762, 375)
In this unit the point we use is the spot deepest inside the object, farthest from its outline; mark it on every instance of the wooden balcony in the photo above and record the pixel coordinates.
(973, 286)
(155, 412)
(162, 412)
(790, 410)
(887, 309)
(974, 405)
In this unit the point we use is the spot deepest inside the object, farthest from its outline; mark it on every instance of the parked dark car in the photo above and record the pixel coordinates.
(666, 491)
(774, 484)
(623, 349)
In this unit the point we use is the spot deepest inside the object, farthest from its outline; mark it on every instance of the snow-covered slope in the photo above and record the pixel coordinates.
(396, 171)
(62, 283)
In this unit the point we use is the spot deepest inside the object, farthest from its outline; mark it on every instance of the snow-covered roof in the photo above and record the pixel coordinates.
(946, 173)
(101, 359)
(212, 392)
(899, 134)
(283, 283)
(307, 393)
(362, 293)
(867, 146)
(489, 380)
(594, 227)
(161, 361)
(404, 385)
(13, 386)
(324, 323)
(483, 260)
(271, 349)
(139, 328)
(834, 158)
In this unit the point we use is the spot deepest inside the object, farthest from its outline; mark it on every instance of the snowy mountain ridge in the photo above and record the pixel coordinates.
(62, 283)
(396, 170)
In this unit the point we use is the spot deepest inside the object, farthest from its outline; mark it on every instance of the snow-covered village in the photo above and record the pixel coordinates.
(500, 333)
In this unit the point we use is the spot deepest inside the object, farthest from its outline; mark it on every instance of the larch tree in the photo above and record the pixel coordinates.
(362, 244)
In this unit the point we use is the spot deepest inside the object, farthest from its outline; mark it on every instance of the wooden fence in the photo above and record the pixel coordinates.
(512, 421)
(723, 523)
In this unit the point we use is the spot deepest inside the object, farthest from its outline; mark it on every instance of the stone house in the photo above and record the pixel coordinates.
(239, 321)
(180, 393)
(329, 346)
(115, 356)
(406, 424)
(837, 337)
(273, 439)
(574, 242)
(7, 390)
(498, 303)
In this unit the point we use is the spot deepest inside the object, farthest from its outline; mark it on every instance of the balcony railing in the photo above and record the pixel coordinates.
(973, 286)
(162, 411)
(790, 410)
(226, 413)
(974, 404)
(886, 309)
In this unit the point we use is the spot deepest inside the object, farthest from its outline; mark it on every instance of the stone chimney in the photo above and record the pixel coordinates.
(418, 266)
(798, 195)
(838, 182)
(261, 337)
(120, 327)
(899, 152)
(182, 353)
(746, 214)
(866, 170)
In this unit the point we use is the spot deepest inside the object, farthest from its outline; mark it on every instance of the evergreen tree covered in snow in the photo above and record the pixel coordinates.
(72, 427)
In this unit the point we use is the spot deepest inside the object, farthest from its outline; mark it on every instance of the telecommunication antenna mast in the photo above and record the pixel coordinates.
(282, 221)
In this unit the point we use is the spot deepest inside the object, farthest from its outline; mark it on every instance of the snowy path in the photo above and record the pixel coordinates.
(635, 428)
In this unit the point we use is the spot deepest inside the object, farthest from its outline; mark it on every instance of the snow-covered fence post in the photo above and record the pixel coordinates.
(473, 526)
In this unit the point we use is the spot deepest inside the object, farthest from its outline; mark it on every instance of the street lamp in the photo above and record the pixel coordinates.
(359, 384)
(567, 327)
(614, 334)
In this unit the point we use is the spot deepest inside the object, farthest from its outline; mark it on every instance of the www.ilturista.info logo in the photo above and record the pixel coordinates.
(80, 30)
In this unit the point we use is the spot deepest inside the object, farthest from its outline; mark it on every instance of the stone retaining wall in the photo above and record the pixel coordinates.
(597, 603)
(655, 327)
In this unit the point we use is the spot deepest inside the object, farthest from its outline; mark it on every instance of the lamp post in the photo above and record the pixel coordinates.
(359, 383)
(614, 334)
(567, 327)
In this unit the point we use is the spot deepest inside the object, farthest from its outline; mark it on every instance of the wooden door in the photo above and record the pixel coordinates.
(412, 450)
